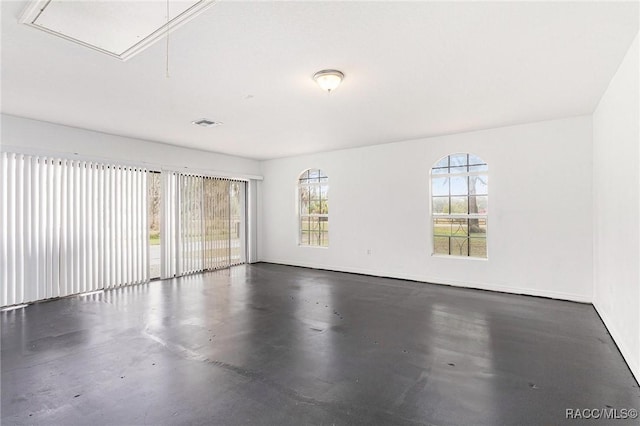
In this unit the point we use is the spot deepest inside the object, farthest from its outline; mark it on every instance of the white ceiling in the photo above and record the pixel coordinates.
(111, 26)
(413, 69)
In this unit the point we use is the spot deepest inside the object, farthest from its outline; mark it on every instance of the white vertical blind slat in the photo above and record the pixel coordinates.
(28, 213)
(143, 238)
(48, 226)
(69, 227)
(164, 225)
(166, 228)
(10, 235)
(190, 227)
(89, 226)
(138, 228)
(112, 257)
(77, 249)
(180, 193)
(3, 226)
(242, 224)
(186, 222)
(119, 246)
(19, 284)
(130, 228)
(35, 276)
(176, 212)
(101, 227)
(95, 194)
(129, 211)
(135, 227)
(192, 231)
(141, 242)
(208, 228)
(192, 223)
(55, 228)
(38, 229)
(82, 219)
(124, 230)
(63, 228)
(144, 225)
(138, 199)
(55, 212)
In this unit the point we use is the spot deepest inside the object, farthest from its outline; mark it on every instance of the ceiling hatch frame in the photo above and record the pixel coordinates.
(35, 8)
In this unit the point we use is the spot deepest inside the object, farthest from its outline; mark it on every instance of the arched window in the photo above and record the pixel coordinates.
(313, 205)
(459, 206)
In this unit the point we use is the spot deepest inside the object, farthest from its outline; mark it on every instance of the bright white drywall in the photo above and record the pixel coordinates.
(27, 136)
(540, 223)
(616, 207)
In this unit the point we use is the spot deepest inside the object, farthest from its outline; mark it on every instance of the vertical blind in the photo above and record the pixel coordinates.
(203, 223)
(169, 225)
(70, 227)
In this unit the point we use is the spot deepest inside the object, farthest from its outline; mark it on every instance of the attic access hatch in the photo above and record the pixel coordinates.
(118, 28)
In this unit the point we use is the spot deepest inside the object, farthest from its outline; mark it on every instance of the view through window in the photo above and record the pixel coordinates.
(153, 221)
(459, 206)
(313, 202)
(212, 223)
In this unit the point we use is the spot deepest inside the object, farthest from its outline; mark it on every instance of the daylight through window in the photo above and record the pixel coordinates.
(459, 201)
(313, 204)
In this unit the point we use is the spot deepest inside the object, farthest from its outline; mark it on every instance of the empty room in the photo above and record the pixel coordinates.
(319, 212)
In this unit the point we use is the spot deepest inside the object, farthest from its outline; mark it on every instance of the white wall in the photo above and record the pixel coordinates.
(30, 136)
(616, 205)
(540, 223)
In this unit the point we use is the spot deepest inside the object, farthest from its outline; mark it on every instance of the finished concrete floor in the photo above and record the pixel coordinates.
(275, 345)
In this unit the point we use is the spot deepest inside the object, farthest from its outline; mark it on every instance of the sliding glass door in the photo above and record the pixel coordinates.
(204, 223)
(74, 226)
(154, 199)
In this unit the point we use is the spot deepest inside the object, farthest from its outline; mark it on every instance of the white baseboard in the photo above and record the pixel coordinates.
(437, 280)
(632, 362)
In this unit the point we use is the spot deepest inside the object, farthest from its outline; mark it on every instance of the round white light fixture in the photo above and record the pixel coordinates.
(328, 80)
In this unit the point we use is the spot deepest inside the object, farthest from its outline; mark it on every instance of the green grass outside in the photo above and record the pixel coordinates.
(154, 238)
(460, 246)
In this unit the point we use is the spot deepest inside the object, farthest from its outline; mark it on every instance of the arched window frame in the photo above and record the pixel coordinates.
(313, 208)
(459, 206)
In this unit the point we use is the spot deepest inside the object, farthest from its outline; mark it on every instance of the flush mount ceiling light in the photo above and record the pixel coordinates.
(328, 80)
(203, 122)
(117, 28)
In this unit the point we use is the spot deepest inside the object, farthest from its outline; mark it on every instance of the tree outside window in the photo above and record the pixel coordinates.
(459, 205)
(313, 205)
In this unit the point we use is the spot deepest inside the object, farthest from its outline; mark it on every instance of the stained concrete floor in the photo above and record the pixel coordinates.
(275, 345)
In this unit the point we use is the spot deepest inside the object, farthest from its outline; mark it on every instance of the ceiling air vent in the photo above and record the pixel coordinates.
(118, 28)
(206, 123)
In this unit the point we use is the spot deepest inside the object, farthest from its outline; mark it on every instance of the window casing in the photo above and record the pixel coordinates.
(459, 206)
(313, 208)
